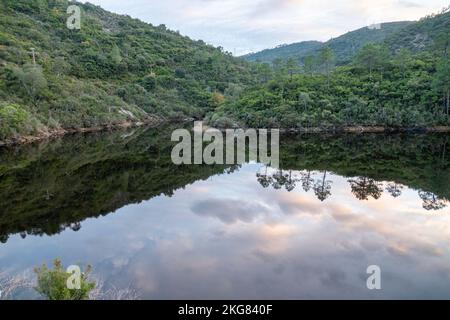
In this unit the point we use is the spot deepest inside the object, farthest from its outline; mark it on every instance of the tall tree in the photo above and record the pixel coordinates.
(264, 72)
(403, 59)
(278, 66)
(363, 188)
(291, 66)
(432, 201)
(442, 82)
(322, 187)
(307, 181)
(442, 44)
(116, 57)
(291, 182)
(327, 60)
(394, 189)
(372, 57)
(309, 64)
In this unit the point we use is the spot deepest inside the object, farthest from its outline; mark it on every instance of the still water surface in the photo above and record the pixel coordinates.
(308, 231)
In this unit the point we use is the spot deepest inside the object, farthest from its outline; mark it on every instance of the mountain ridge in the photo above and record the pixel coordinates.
(344, 46)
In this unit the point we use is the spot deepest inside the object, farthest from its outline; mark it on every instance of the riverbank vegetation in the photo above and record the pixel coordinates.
(114, 69)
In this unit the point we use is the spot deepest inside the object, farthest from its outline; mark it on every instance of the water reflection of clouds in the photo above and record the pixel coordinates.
(228, 237)
(229, 211)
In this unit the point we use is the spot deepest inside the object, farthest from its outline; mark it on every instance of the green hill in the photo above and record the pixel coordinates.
(430, 33)
(114, 69)
(345, 47)
(284, 52)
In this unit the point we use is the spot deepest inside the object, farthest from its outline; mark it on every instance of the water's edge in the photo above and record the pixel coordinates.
(154, 122)
(57, 133)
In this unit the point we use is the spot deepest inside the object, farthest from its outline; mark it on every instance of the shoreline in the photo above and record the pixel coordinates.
(367, 129)
(22, 140)
(53, 134)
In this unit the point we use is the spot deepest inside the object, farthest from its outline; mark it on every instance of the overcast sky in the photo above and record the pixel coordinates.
(243, 26)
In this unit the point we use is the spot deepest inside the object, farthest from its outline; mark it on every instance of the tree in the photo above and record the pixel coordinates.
(291, 66)
(363, 188)
(278, 66)
(217, 99)
(326, 61)
(372, 57)
(309, 64)
(394, 189)
(279, 180)
(116, 57)
(403, 59)
(264, 179)
(442, 44)
(33, 80)
(291, 182)
(60, 66)
(307, 181)
(322, 188)
(305, 99)
(264, 71)
(442, 82)
(431, 201)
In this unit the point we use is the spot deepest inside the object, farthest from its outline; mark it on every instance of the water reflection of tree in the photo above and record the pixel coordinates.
(264, 179)
(394, 189)
(363, 188)
(431, 201)
(322, 187)
(75, 226)
(307, 181)
(291, 182)
(278, 180)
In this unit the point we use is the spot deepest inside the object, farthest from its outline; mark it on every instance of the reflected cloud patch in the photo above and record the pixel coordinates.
(229, 211)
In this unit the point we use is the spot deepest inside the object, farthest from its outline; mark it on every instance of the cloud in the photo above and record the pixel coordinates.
(410, 4)
(295, 204)
(229, 211)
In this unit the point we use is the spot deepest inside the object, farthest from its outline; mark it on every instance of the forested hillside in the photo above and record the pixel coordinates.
(428, 34)
(379, 87)
(345, 47)
(114, 69)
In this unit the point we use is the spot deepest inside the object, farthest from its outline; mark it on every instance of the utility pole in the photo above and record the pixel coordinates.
(34, 56)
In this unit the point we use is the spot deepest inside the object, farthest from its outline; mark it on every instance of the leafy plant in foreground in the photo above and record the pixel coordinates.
(52, 283)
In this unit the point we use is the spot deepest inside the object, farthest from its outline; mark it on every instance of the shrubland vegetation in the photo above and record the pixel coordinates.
(345, 46)
(380, 87)
(117, 69)
(114, 69)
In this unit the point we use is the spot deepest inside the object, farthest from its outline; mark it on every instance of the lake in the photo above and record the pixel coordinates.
(309, 230)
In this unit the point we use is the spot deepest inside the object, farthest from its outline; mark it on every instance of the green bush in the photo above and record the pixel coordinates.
(52, 284)
(15, 120)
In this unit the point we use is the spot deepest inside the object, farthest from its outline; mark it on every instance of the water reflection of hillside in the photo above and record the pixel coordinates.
(48, 187)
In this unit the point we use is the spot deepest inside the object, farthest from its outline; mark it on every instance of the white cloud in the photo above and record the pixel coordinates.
(242, 26)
